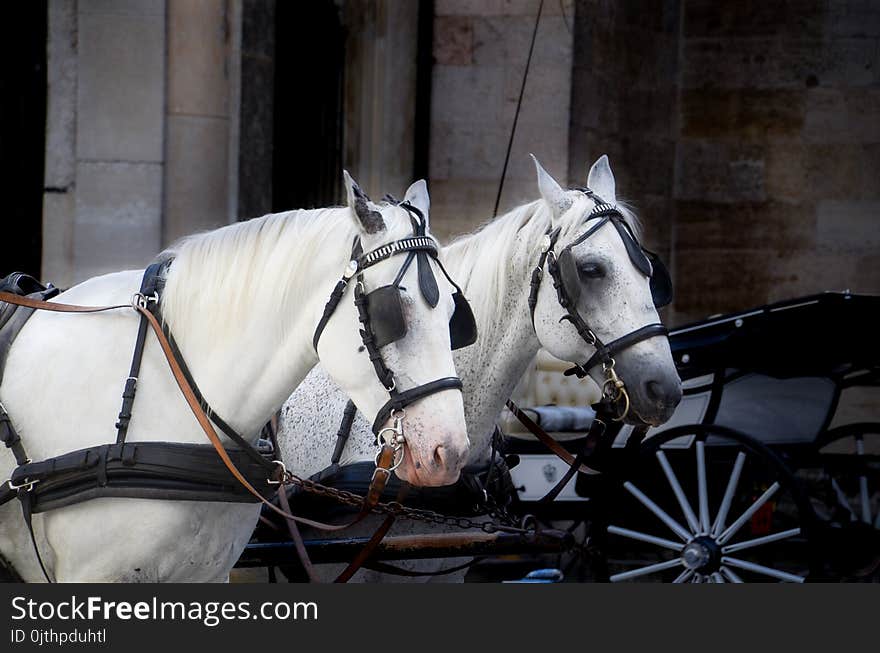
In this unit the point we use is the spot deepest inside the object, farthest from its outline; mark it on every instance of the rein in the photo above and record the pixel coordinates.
(278, 475)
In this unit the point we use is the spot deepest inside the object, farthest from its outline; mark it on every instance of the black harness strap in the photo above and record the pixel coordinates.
(344, 431)
(605, 351)
(400, 400)
(26, 499)
(597, 429)
(9, 437)
(149, 291)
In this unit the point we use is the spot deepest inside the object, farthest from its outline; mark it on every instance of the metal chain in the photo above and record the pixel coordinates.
(397, 509)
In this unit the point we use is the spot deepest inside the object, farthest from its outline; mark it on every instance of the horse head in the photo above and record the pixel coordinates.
(597, 298)
(390, 349)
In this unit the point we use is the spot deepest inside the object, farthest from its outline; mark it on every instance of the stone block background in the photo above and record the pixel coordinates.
(745, 134)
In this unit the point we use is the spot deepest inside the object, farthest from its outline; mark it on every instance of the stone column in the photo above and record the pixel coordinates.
(104, 137)
(197, 171)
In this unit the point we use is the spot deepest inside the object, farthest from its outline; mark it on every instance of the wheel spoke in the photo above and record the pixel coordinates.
(717, 578)
(679, 493)
(761, 569)
(644, 571)
(702, 490)
(758, 541)
(865, 499)
(721, 518)
(673, 525)
(684, 576)
(732, 577)
(863, 484)
(735, 526)
(842, 500)
(644, 537)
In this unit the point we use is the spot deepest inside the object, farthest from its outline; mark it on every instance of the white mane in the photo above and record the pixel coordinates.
(257, 267)
(490, 271)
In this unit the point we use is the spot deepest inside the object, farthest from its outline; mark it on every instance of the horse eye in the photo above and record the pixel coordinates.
(592, 270)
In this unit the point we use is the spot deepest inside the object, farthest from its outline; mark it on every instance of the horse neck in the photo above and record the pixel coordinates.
(508, 344)
(246, 371)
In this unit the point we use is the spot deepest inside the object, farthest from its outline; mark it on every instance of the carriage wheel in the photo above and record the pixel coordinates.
(849, 456)
(727, 512)
(856, 489)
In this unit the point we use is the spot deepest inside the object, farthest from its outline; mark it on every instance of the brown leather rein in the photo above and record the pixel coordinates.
(546, 439)
(384, 460)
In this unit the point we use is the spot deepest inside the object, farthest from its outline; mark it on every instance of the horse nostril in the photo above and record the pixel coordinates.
(654, 390)
(661, 394)
(439, 456)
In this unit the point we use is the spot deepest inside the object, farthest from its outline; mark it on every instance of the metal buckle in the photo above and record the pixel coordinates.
(27, 483)
(139, 300)
(285, 475)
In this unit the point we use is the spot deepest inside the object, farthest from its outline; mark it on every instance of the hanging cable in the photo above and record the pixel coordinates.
(518, 106)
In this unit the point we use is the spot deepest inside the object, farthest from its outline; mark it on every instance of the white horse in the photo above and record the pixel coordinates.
(494, 266)
(243, 303)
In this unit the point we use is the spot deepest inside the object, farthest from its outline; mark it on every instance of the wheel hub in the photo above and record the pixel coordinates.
(702, 555)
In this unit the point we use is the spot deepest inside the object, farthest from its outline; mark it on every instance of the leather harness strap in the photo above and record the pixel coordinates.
(379, 478)
(547, 440)
(400, 400)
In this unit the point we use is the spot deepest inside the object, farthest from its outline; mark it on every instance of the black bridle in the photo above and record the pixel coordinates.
(381, 316)
(566, 282)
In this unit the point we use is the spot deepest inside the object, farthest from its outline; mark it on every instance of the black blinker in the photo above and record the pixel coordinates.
(569, 273)
(386, 315)
(462, 325)
(661, 281)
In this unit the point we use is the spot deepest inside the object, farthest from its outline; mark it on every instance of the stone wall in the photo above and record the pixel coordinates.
(104, 138)
(139, 130)
(777, 186)
(746, 135)
(625, 104)
(480, 50)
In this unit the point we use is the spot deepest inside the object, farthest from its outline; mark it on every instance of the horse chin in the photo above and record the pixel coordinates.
(638, 416)
(420, 475)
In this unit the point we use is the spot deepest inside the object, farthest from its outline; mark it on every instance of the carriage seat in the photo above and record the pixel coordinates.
(559, 403)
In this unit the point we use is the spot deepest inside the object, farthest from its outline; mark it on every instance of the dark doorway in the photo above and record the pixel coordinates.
(22, 134)
(307, 124)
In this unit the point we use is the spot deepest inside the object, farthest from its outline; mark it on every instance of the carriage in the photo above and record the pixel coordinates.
(489, 512)
(768, 469)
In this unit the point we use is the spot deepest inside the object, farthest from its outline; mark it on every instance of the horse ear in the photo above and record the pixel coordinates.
(601, 180)
(417, 195)
(367, 216)
(551, 191)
